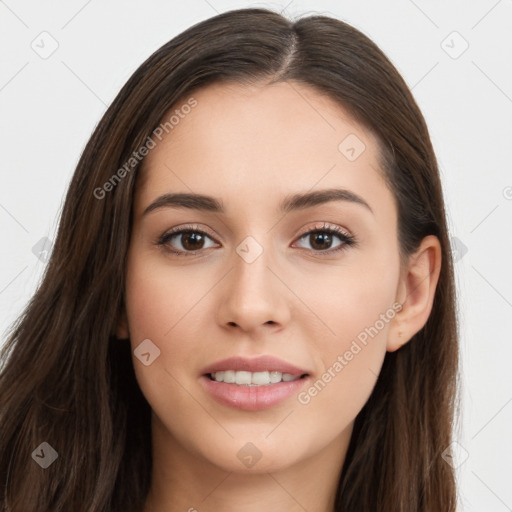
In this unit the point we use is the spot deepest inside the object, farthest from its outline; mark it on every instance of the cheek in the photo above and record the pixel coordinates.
(163, 306)
(170, 307)
(342, 386)
(350, 300)
(159, 300)
(356, 306)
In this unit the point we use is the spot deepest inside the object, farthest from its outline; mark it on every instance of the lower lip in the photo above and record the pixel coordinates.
(252, 398)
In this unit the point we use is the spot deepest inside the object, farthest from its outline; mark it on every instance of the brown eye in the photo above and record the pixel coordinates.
(320, 240)
(183, 241)
(192, 240)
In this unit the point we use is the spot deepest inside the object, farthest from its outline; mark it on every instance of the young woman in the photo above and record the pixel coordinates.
(250, 302)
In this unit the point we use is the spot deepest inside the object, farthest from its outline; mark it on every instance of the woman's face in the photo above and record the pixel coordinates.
(260, 278)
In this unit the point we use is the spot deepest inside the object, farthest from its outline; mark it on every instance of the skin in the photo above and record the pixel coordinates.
(250, 146)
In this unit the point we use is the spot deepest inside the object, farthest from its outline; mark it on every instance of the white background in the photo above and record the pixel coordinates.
(50, 106)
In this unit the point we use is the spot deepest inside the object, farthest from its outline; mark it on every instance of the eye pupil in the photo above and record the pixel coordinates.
(193, 240)
(197, 240)
(321, 240)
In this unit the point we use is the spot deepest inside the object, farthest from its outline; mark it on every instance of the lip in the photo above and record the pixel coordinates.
(253, 398)
(256, 364)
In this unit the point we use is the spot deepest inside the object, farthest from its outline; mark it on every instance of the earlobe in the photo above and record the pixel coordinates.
(416, 292)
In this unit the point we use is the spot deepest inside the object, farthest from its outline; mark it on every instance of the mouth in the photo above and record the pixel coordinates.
(253, 379)
(253, 384)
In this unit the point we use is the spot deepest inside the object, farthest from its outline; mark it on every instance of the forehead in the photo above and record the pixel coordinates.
(259, 142)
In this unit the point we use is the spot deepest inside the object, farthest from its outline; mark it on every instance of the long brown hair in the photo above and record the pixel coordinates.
(67, 381)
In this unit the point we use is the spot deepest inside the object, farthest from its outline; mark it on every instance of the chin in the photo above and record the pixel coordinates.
(259, 455)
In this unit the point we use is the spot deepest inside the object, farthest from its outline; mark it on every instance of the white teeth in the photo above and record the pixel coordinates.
(229, 376)
(243, 378)
(260, 378)
(275, 377)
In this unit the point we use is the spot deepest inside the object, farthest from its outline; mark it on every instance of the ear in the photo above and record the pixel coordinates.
(122, 332)
(415, 292)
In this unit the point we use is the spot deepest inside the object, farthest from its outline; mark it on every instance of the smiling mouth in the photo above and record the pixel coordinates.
(253, 379)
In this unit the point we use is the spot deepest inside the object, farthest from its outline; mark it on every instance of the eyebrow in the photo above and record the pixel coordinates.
(293, 202)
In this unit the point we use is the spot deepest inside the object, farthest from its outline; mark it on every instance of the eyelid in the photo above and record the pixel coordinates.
(324, 226)
(321, 226)
(346, 238)
(162, 240)
(344, 235)
(189, 227)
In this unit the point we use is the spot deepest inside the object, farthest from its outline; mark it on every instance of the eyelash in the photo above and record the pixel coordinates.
(346, 239)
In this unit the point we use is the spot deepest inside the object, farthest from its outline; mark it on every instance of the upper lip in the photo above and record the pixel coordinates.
(256, 364)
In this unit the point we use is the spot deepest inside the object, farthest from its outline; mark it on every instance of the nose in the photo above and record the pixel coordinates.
(252, 296)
